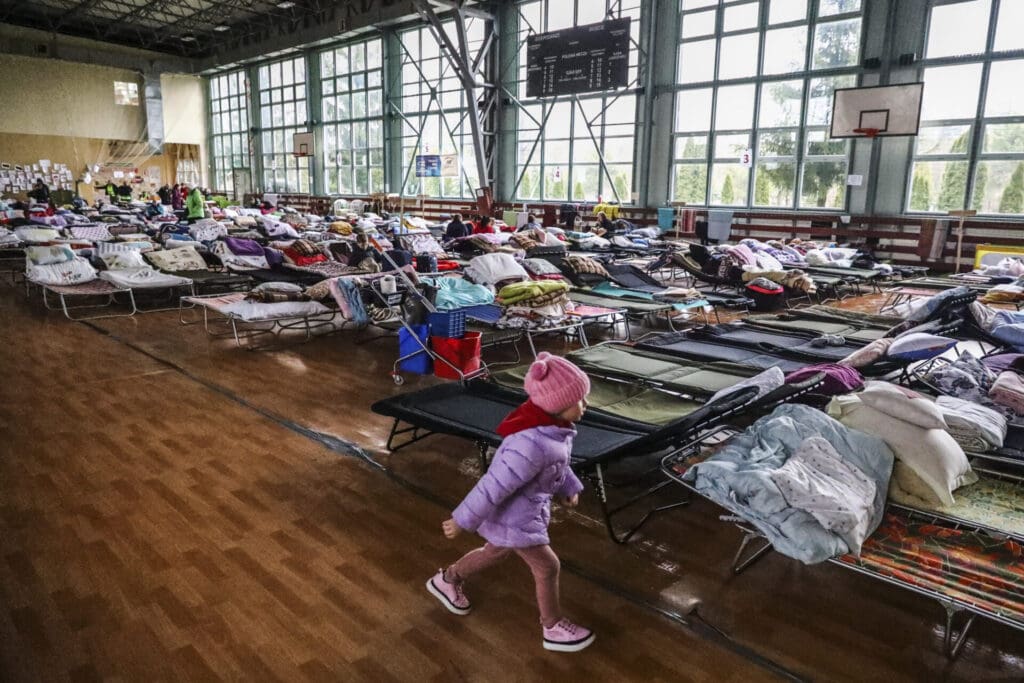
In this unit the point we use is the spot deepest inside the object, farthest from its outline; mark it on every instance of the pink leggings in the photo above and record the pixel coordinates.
(542, 562)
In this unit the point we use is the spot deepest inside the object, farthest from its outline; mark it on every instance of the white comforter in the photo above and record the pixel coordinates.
(143, 278)
(252, 311)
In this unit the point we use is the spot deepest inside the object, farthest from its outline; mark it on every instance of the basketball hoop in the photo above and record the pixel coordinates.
(867, 132)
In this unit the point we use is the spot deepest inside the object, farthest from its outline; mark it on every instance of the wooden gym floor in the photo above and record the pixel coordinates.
(177, 509)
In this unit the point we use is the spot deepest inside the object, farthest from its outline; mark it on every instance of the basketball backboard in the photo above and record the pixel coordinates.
(302, 144)
(878, 111)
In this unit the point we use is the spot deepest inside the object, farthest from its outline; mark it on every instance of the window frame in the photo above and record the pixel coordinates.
(230, 88)
(977, 124)
(277, 179)
(333, 170)
(589, 127)
(803, 129)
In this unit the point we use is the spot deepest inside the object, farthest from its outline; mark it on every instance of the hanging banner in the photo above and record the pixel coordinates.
(449, 165)
(428, 166)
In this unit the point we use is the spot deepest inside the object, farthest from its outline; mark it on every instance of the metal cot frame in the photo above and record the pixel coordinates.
(954, 607)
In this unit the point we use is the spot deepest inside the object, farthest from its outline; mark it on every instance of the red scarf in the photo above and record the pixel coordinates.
(528, 416)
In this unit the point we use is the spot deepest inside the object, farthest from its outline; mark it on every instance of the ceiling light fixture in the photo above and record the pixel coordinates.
(287, 4)
(188, 39)
(221, 28)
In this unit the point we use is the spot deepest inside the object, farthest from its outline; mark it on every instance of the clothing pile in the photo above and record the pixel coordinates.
(813, 487)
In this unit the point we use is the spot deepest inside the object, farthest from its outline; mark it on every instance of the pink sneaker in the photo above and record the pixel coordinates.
(450, 594)
(566, 636)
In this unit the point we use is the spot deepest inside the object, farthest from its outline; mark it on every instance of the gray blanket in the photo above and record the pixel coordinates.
(739, 478)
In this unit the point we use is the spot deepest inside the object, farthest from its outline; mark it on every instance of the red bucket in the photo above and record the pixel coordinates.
(463, 353)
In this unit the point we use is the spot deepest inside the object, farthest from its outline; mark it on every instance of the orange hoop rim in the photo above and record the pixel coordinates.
(867, 132)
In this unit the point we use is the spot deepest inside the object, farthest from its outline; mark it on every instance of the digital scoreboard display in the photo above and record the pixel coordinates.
(581, 59)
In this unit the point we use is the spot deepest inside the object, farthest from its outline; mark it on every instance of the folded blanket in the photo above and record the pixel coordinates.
(454, 292)
(750, 478)
(267, 296)
(522, 291)
(1008, 390)
(975, 427)
(585, 264)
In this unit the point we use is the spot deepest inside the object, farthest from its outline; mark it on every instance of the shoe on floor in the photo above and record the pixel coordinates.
(566, 636)
(449, 594)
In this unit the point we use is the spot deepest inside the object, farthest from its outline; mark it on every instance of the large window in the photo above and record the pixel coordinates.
(576, 148)
(970, 151)
(434, 114)
(282, 92)
(352, 109)
(229, 126)
(754, 101)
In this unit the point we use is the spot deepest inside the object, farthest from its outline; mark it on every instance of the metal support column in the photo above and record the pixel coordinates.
(255, 136)
(460, 60)
(317, 179)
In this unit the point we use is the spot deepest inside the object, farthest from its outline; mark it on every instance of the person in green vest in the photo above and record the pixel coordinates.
(111, 191)
(195, 205)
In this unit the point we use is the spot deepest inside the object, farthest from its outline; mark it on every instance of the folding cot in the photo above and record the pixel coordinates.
(787, 322)
(574, 324)
(74, 278)
(965, 568)
(250, 320)
(102, 289)
(149, 280)
(473, 411)
(828, 320)
(641, 309)
(630, 277)
(751, 346)
(693, 267)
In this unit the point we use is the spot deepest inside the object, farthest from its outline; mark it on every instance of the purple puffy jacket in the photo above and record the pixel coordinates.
(510, 505)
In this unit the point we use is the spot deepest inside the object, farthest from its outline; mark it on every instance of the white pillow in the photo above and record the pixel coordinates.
(73, 272)
(932, 454)
(919, 346)
(43, 256)
(277, 287)
(903, 404)
(27, 234)
(121, 260)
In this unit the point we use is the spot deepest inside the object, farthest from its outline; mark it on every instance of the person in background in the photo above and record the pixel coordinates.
(40, 193)
(532, 223)
(165, 194)
(176, 201)
(484, 225)
(604, 225)
(195, 206)
(510, 506)
(111, 191)
(124, 191)
(364, 255)
(456, 228)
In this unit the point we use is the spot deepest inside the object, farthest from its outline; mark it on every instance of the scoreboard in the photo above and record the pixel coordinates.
(581, 59)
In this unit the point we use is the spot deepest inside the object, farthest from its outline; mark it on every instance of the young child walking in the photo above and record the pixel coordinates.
(510, 506)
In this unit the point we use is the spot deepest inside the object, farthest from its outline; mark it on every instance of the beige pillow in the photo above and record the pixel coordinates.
(932, 454)
(902, 403)
(178, 259)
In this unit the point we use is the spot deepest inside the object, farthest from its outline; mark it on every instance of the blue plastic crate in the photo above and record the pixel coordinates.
(410, 347)
(451, 324)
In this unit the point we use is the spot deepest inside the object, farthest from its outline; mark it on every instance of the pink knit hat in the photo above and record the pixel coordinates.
(555, 384)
